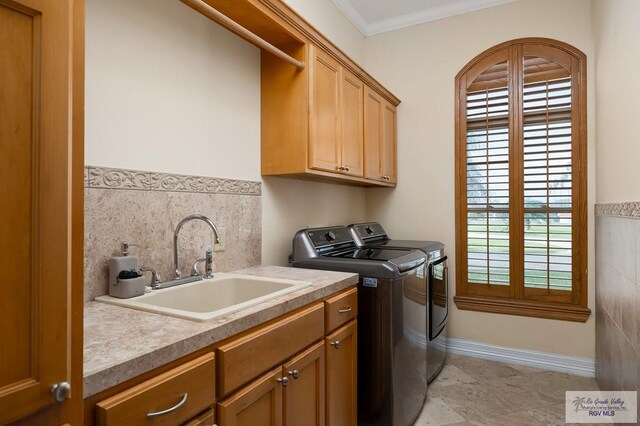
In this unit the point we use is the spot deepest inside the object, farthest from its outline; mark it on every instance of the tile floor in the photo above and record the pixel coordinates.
(472, 391)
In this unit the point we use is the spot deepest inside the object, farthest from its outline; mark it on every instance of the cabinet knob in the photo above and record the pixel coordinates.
(336, 344)
(341, 168)
(294, 373)
(346, 168)
(283, 380)
(61, 391)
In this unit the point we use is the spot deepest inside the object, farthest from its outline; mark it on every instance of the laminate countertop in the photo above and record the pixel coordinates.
(122, 343)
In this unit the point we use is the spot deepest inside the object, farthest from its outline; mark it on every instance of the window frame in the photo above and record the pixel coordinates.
(561, 305)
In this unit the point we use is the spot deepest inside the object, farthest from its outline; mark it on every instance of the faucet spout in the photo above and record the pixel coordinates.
(189, 218)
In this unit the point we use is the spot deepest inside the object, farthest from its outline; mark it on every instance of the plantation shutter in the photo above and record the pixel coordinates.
(487, 150)
(521, 181)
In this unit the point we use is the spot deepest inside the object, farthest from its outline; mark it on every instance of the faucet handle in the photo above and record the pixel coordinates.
(155, 276)
(194, 268)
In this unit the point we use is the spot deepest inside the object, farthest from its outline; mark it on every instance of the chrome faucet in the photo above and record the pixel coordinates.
(175, 237)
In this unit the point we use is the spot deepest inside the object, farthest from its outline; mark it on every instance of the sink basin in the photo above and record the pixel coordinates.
(209, 299)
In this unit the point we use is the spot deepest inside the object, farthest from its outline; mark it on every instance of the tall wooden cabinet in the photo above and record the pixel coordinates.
(41, 159)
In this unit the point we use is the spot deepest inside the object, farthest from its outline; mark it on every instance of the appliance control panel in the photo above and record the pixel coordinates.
(369, 230)
(329, 236)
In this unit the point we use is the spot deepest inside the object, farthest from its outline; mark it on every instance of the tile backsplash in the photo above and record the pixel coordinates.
(618, 297)
(143, 208)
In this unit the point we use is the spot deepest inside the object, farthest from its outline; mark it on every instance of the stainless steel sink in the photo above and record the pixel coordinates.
(209, 299)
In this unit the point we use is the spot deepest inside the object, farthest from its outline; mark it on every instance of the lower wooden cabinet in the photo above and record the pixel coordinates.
(342, 354)
(258, 403)
(297, 370)
(291, 395)
(304, 393)
(170, 398)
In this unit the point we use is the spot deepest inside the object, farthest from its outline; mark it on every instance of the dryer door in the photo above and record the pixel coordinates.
(438, 295)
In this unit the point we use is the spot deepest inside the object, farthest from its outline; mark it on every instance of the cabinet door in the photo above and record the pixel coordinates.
(324, 111)
(304, 395)
(379, 138)
(373, 135)
(35, 218)
(342, 351)
(208, 418)
(389, 147)
(258, 403)
(352, 113)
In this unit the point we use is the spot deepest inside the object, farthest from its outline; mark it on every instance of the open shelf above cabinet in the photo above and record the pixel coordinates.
(323, 119)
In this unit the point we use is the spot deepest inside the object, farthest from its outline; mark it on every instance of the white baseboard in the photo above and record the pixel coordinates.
(542, 360)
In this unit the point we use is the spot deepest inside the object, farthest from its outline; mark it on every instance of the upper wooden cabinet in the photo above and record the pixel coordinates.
(324, 112)
(320, 122)
(336, 116)
(379, 138)
(41, 219)
(313, 97)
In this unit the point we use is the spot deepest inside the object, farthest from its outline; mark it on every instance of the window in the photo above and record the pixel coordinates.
(521, 217)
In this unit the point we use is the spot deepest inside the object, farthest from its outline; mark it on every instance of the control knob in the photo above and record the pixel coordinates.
(369, 230)
(330, 236)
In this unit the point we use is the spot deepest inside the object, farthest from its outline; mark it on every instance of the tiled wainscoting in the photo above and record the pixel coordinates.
(143, 208)
(618, 296)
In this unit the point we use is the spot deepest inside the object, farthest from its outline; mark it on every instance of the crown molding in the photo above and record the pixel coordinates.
(352, 15)
(419, 17)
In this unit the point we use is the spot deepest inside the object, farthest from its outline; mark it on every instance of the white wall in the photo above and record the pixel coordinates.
(419, 65)
(617, 39)
(168, 90)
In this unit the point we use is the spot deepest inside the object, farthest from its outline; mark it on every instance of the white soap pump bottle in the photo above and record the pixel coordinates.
(118, 264)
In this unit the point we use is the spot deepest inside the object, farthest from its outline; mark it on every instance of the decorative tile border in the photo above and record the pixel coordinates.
(628, 209)
(108, 178)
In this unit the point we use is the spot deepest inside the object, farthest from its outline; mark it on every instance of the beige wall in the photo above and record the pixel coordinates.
(617, 35)
(419, 65)
(168, 90)
(328, 19)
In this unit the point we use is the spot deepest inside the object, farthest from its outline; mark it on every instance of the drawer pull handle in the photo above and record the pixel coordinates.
(169, 410)
(336, 344)
(295, 374)
(345, 310)
(283, 380)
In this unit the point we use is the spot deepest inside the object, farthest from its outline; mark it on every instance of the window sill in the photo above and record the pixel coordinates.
(523, 308)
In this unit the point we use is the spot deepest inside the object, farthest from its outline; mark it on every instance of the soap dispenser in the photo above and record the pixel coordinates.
(129, 287)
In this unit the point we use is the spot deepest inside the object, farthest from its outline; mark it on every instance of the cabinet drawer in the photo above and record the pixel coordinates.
(341, 309)
(247, 357)
(181, 393)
